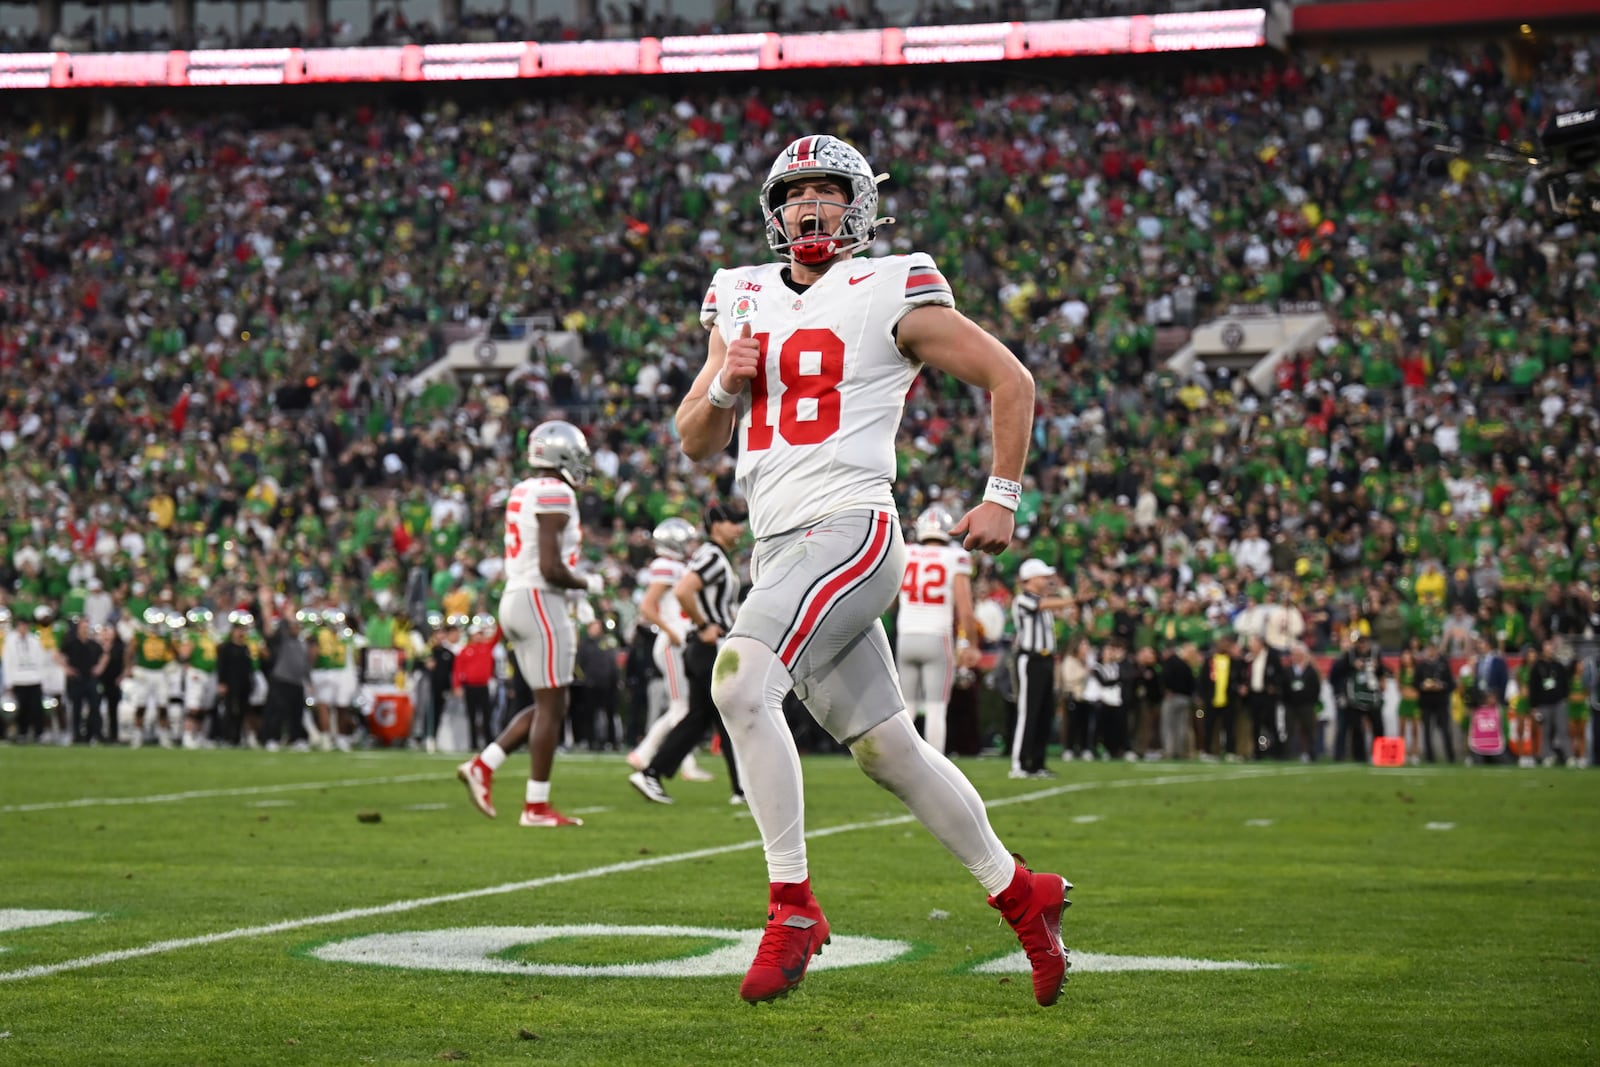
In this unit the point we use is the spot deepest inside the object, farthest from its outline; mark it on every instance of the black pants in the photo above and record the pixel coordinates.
(1438, 718)
(286, 710)
(1036, 703)
(698, 659)
(438, 702)
(1215, 719)
(111, 694)
(1351, 733)
(1079, 727)
(234, 707)
(1264, 725)
(30, 710)
(1112, 720)
(477, 699)
(593, 716)
(84, 696)
(1302, 730)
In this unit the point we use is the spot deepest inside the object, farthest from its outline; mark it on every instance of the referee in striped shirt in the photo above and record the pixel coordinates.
(1033, 617)
(708, 592)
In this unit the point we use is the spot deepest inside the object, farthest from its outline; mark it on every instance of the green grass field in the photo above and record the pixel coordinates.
(1402, 917)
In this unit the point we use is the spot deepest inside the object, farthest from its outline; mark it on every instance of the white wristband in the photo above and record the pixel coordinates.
(1003, 491)
(720, 397)
(595, 583)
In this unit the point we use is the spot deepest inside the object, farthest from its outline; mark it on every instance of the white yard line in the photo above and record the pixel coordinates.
(206, 794)
(156, 948)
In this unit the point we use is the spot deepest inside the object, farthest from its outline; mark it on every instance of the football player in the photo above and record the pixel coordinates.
(809, 361)
(935, 606)
(197, 651)
(674, 539)
(542, 540)
(152, 653)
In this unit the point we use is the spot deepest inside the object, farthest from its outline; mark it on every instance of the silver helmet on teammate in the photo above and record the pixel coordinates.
(822, 156)
(560, 447)
(674, 537)
(935, 524)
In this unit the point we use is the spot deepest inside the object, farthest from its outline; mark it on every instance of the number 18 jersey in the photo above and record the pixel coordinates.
(529, 499)
(818, 423)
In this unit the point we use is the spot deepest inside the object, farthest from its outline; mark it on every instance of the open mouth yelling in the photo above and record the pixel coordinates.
(809, 225)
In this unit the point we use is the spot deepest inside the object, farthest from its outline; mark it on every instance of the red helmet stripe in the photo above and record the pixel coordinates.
(802, 151)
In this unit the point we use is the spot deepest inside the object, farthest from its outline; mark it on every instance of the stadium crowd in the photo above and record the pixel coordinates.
(209, 327)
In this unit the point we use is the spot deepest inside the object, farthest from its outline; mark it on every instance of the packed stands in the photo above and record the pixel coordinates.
(209, 322)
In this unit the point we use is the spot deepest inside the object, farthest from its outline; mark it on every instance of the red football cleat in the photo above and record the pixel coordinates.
(479, 779)
(796, 931)
(544, 816)
(1032, 904)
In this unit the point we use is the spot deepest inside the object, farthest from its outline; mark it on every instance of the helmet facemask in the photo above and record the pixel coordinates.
(814, 245)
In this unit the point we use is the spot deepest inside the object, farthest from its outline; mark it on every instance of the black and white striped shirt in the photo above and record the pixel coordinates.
(1036, 628)
(718, 598)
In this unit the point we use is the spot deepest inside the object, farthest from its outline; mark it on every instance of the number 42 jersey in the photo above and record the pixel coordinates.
(818, 423)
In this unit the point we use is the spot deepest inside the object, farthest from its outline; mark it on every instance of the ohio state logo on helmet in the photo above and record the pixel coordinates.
(819, 155)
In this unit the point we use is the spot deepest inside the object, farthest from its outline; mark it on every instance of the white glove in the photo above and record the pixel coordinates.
(596, 584)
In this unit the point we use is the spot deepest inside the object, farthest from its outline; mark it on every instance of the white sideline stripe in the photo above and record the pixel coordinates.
(397, 907)
(206, 794)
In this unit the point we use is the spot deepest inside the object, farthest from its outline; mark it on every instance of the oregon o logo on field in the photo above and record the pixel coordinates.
(700, 952)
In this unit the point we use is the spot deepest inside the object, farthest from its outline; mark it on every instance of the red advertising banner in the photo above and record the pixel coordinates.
(1416, 14)
(504, 60)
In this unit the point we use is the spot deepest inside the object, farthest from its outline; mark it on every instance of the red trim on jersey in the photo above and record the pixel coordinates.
(549, 638)
(711, 296)
(835, 588)
(935, 278)
(553, 501)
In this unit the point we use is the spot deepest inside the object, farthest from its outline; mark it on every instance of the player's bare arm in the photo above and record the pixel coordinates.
(685, 593)
(945, 339)
(704, 428)
(650, 611)
(552, 567)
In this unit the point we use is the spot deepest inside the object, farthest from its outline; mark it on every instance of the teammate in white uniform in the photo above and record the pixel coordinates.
(674, 539)
(934, 620)
(809, 359)
(542, 540)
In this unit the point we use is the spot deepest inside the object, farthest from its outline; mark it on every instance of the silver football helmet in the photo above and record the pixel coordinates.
(674, 537)
(935, 523)
(810, 157)
(560, 447)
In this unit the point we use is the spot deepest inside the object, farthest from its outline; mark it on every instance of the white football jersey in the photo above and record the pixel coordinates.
(927, 595)
(669, 571)
(529, 499)
(818, 423)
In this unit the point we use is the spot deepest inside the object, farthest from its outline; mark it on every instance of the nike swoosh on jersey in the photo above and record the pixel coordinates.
(864, 277)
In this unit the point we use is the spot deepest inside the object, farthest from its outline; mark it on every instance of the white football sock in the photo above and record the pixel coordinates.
(748, 684)
(493, 756)
(939, 796)
(538, 792)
